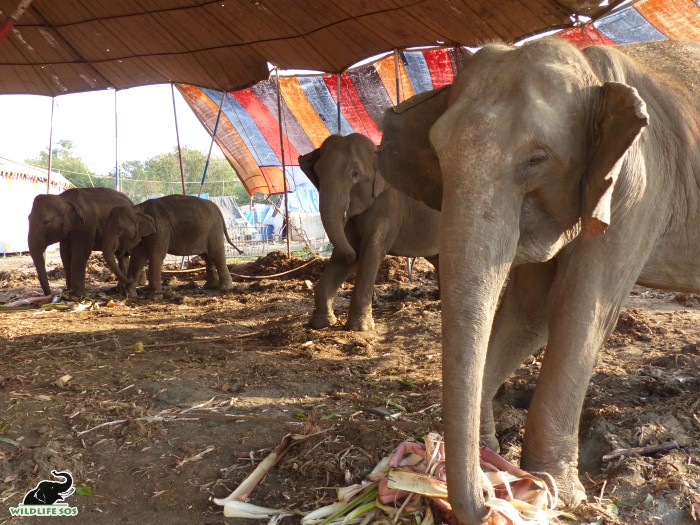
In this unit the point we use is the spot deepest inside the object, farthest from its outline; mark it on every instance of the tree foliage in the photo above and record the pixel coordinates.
(154, 177)
(68, 162)
(160, 175)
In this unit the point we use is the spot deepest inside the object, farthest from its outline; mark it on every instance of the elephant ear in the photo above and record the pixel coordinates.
(620, 119)
(75, 216)
(307, 163)
(406, 158)
(145, 224)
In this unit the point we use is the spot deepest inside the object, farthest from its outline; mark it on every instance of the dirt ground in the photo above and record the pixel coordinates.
(218, 379)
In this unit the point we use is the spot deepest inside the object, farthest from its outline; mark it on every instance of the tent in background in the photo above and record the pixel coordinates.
(19, 184)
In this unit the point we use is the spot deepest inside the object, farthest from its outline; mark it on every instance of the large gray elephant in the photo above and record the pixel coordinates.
(76, 220)
(365, 220)
(570, 175)
(174, 224)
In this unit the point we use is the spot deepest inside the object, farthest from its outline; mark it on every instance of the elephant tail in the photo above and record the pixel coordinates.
(231, 242)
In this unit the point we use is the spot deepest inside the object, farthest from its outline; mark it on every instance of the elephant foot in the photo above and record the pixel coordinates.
(226, 287)
(211, 285)
(319, 321)
(361, 324)
(569, 488)
(489, 440)
(155, 295)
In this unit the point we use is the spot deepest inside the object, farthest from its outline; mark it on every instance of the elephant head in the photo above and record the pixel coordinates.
(49, 492)
(344, 171)
(125, 227)
(51, 220)
(530, 148)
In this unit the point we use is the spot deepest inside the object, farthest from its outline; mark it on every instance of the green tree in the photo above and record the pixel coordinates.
(160, 175)
(68, 162)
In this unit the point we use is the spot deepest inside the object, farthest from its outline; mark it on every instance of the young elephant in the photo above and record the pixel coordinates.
(365, 220)
(76, 220)
(174, 224)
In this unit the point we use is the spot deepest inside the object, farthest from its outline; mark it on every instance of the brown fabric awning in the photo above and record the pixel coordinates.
(61, 46)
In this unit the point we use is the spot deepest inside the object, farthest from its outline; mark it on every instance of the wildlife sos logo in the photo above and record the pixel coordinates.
(46, 499)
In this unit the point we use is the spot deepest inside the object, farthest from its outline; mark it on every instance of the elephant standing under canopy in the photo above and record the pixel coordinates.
(174, 224)
(365, 219)
(75, 219)
(569, 175)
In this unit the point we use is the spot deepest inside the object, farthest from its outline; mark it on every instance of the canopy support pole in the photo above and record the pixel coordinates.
(398, 79)
(338, 97)
(284, 166)
(177, 136)
(211, 144)
(48, 174)
(117, 180)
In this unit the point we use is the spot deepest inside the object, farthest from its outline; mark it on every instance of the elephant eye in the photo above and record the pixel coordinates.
(354, 174)
(536, 158)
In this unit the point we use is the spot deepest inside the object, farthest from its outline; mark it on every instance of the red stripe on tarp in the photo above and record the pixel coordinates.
(440, 67)
(585, 36)
(351, 106)
(267, 123)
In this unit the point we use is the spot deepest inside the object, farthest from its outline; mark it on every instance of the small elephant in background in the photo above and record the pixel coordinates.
(174, 224)
(76, 219)
(365, 219)
(49, 492)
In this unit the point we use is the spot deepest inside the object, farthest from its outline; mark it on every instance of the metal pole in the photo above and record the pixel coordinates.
(338, 97)
(117, 181)
(177, 135)
(48, 175)
(284, 167)
(211, 144)
(398, 80)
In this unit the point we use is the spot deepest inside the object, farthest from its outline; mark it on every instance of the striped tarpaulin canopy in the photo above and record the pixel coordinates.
(249, 132)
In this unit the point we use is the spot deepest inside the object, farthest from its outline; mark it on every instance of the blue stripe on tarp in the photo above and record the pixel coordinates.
(628, 26)
(247, 129)
(316, 91)
(371, 90)
(417, 70)
(266, 91)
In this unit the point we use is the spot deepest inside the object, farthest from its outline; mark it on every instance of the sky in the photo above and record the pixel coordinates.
(146, 125)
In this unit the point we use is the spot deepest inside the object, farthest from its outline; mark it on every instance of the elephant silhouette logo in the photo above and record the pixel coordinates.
(48, 492)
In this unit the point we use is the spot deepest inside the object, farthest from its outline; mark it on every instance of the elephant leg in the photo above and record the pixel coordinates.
(585, 300)
(65, 251)
(435, 261)
(333, 276)
(155, 267)
(519, 330)
(81, 247)
(360, 313)
(212, 279)
(218, 257)
(135, 270)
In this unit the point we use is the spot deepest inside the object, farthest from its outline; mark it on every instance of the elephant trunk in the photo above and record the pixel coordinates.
(63, 487)
(109, 249)
(333, 206)
(37, 247)
(478, 241)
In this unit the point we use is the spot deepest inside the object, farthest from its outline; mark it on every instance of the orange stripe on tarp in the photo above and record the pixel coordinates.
(267, 123)
(584, 36)
(386, 69)
(677, 19)
(228, 139)
(303, 111)
(352, 107)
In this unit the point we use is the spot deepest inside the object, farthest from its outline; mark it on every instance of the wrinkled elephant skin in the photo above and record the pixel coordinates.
(365, 220)
(174, 224)
(569, 174)
(75, 219)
